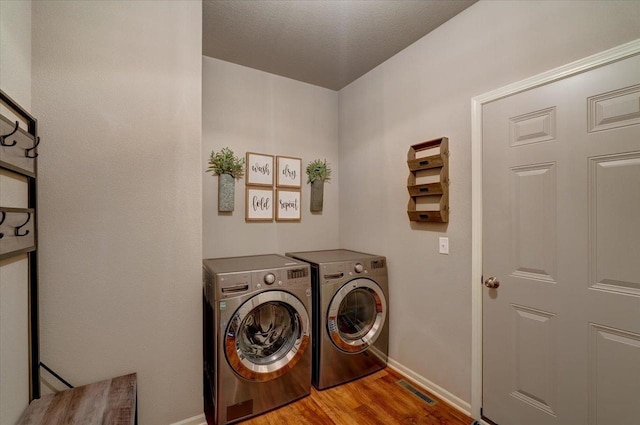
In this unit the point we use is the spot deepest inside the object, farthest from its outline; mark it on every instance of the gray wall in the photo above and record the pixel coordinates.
(422, 93)
(117, 88)
(253, 111)
(15, 51)
(15, 80)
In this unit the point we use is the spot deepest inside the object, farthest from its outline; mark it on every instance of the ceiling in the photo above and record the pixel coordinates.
(328, 43)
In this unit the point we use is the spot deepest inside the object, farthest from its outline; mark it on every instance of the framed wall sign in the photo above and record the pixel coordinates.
(259, 204)
(259, 169)
(288, 205)
(289, 172)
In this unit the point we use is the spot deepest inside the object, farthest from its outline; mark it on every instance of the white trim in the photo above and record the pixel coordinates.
(612, 55)
(437, 390)
(195, 420)
(624, 51)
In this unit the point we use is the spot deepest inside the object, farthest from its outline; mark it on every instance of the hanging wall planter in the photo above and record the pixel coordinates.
(317, 173)
(317, 195)
(227, 167)
(226, 192)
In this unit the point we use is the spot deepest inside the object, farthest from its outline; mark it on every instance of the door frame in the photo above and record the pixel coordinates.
(583, 65)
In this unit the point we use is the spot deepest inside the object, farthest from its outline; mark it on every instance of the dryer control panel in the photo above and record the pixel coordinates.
(350, 269)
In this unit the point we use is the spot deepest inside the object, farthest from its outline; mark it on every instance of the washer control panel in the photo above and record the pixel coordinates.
(233, 277)
(236, 284)
(281, 277)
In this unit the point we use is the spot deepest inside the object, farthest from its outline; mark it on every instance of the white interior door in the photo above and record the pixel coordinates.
(561, 235)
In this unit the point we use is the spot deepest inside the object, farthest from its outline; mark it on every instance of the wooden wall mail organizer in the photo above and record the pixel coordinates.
(429, 181)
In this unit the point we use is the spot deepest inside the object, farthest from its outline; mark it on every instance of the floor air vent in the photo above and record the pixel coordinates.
(416, 392)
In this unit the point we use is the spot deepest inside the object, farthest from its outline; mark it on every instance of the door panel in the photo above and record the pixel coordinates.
(561, 232)
(534, 127)
(618, 108)
(613, 390)
(615, 224)
(534, 358)
(533, 203)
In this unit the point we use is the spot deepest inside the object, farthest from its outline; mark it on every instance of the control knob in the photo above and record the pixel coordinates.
(269, 278)
(359, 268)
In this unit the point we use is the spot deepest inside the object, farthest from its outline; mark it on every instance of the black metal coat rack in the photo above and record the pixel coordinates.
(18, 226)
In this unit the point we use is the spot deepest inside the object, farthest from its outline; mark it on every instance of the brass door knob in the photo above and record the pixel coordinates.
(492, 282)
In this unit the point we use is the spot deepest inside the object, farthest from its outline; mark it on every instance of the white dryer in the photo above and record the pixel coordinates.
(351, 319)
(256, 335)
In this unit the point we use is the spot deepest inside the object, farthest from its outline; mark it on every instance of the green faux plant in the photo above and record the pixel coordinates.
(225, 162)
(318, 170)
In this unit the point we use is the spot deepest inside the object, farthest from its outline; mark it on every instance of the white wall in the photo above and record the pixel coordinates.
(117, 90)
(422, 93)
(15, 51)
(254, 111)
(14, 338)
(15, 80)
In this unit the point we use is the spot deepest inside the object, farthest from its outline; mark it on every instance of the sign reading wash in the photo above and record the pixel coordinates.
(259, 169)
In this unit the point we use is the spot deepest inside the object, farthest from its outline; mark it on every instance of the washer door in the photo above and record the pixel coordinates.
(267, 336)
(356, 315)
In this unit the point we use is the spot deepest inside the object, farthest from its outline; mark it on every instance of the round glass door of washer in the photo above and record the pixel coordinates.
(356, 315)
(267, 336)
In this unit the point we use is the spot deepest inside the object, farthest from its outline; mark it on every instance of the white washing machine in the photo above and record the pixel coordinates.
(256, 335)
(350, 314)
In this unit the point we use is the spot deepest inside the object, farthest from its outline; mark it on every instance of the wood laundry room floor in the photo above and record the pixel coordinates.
(375, 399)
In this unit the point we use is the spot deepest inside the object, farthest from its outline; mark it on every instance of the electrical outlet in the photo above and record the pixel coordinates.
(444, 246)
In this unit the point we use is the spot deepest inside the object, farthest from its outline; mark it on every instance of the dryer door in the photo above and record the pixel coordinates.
(356, 315)
(267, 335)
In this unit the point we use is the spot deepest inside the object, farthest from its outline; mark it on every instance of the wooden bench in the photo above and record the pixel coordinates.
(110, 402)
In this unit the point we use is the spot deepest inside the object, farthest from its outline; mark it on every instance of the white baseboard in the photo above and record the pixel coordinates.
(437, 390)
(196, 420)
